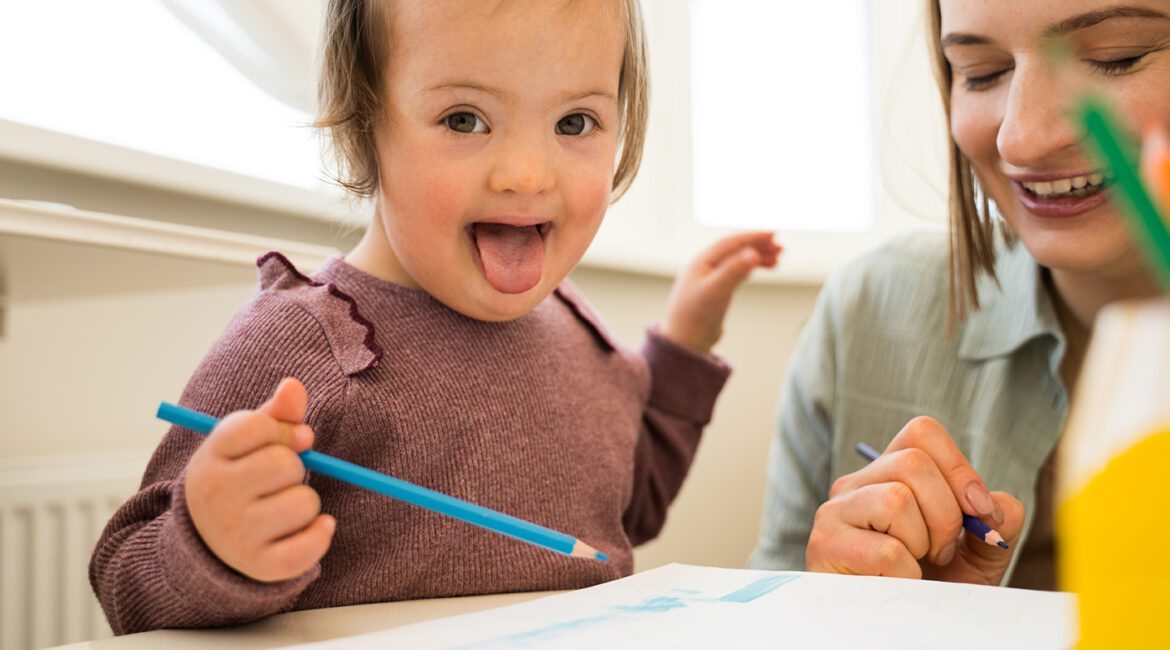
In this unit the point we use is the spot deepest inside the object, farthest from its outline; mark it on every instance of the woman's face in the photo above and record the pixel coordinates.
(1011, 114)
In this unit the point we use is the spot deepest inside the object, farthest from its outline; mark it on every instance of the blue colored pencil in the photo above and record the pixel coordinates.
(422, 497)
(974, 525)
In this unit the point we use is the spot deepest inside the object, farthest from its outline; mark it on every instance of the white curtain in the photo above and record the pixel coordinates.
(272, 42)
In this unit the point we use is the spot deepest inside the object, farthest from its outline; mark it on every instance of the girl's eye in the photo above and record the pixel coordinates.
(1117, 66)
(465, 122)
(982, 82)
(576, 124)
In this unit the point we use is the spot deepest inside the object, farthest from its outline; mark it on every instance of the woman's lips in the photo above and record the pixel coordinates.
(1060, 208)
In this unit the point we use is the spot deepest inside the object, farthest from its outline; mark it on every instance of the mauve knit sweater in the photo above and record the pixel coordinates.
(544, 417)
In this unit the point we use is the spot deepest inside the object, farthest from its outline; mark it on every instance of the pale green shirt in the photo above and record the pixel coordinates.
(875, 354)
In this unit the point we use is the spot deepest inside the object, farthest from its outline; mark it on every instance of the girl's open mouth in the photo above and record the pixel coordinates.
(512, 256)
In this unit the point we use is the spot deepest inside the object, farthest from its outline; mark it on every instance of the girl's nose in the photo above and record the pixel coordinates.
(523, 166)
(1036, 121)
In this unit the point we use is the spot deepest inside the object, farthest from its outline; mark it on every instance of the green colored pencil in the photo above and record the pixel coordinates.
(1121, 159)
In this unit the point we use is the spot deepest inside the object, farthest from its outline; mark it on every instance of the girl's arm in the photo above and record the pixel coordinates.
(151, 569)
(684, 379)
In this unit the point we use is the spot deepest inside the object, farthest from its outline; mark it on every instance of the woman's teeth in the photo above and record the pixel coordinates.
(1076, 186)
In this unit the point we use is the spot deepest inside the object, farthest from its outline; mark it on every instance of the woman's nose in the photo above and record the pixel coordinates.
(1036, 121)
(523, 165)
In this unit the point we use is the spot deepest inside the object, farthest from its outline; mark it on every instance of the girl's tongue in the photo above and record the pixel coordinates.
(512, 256)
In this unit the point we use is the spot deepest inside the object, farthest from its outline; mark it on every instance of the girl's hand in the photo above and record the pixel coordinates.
(702, 294)
(902, 515)
(245, 493)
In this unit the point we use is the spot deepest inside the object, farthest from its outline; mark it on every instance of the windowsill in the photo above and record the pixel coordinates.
(65, 224)
(56, 150)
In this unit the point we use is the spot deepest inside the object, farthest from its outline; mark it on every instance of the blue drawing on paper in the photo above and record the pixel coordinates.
(653, 605)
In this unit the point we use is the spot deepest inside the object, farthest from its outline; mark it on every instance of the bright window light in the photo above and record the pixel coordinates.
(781, 115)
(129, 73)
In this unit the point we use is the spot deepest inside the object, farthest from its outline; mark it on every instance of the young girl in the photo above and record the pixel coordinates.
(446, 349)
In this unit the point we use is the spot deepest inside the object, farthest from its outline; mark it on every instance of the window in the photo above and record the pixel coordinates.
(772, 138)
(819, 120)
(131, 74)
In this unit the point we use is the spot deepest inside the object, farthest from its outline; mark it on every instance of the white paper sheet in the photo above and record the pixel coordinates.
(681, 606)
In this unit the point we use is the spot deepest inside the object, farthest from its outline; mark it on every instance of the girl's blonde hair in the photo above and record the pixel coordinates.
(971, 243)
(349, 93)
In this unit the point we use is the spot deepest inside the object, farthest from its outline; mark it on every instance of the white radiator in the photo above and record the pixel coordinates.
(52, 510)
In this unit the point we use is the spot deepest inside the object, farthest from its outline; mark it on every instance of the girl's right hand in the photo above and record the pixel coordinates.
(906, 507)
(245, 493)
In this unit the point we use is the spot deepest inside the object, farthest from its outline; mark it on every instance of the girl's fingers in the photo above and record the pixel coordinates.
(732, 271)
(288, 403)
(855, 551)
(268, 470)
(282, 514)
(297, 553)
(244, 432)
(888, 508)
(929, 489)
(760, 240)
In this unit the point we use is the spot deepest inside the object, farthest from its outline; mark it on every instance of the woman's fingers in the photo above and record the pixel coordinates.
(935, 504)
(993, 560)
(928, 435)
(888, 508)
(840, 548)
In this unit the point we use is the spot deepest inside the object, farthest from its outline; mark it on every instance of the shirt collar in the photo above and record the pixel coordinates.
(1014, 313)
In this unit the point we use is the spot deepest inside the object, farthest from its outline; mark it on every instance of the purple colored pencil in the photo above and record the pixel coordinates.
(974, 525)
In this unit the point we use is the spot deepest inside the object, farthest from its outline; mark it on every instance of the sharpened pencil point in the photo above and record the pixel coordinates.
(1001, 544)
(602, 556)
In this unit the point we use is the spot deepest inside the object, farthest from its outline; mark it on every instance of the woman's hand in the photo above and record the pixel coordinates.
(702, 294)
(245, 493)
(902, 515)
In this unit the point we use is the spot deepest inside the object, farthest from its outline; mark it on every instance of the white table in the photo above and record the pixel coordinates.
(309, 625)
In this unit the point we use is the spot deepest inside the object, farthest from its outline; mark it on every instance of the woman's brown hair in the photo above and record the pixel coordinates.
(349, 93)
(972, 226)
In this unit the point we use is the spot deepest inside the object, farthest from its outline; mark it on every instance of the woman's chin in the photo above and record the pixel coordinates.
(1084, 251)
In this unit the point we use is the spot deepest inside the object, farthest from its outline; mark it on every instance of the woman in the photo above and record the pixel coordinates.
(961, 362)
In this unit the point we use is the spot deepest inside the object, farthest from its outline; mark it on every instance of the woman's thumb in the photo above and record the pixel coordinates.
(991, 560)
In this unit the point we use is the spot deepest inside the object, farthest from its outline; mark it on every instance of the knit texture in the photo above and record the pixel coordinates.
(545, 417)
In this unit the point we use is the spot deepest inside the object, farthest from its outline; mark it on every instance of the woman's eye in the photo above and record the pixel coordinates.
(575, 124)
(982, 82)
(1118, 66)
(465, 123)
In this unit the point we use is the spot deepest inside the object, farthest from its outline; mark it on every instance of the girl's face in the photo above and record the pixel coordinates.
(1010, 114)
(496, 155)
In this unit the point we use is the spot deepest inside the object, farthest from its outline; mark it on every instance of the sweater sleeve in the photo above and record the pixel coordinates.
(683, 387)
(150, 568)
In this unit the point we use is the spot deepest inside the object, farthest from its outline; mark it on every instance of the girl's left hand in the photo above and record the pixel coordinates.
(702, 294)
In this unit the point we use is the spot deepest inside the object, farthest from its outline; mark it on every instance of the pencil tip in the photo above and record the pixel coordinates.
(602, 556)
(1001, 544)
